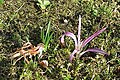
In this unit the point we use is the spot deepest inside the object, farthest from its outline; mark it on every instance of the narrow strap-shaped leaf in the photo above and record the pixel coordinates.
(42, 35)
(48, 40)
(86, 41)
(70, 35)
(94, 50)
(48, 31)
(72, 55)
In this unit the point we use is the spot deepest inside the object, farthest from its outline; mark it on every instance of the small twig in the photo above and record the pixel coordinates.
(17, 60)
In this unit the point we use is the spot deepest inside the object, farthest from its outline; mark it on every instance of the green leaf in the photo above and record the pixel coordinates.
(43, 3)
(48, 29)
(40, 1)
(46, 3)
(1, 2)
(42, 6)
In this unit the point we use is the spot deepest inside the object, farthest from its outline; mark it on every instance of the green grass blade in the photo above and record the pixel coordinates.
(42, 36)
(47, 41)
(48, 30)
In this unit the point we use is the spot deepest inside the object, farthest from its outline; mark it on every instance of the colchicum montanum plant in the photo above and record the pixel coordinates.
(80, 44)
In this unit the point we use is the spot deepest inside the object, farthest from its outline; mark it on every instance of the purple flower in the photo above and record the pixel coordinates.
(80, 44)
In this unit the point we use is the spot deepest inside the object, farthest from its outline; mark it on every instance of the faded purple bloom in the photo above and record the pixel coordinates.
(72, 55)
(80, 44)
(94, 50)
(92, 37)
(70, 35)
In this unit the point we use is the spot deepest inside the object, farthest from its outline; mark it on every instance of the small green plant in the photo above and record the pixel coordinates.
(43, 3)
(80, 44)
(1, 2)
(46, 37)
(28, 70)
